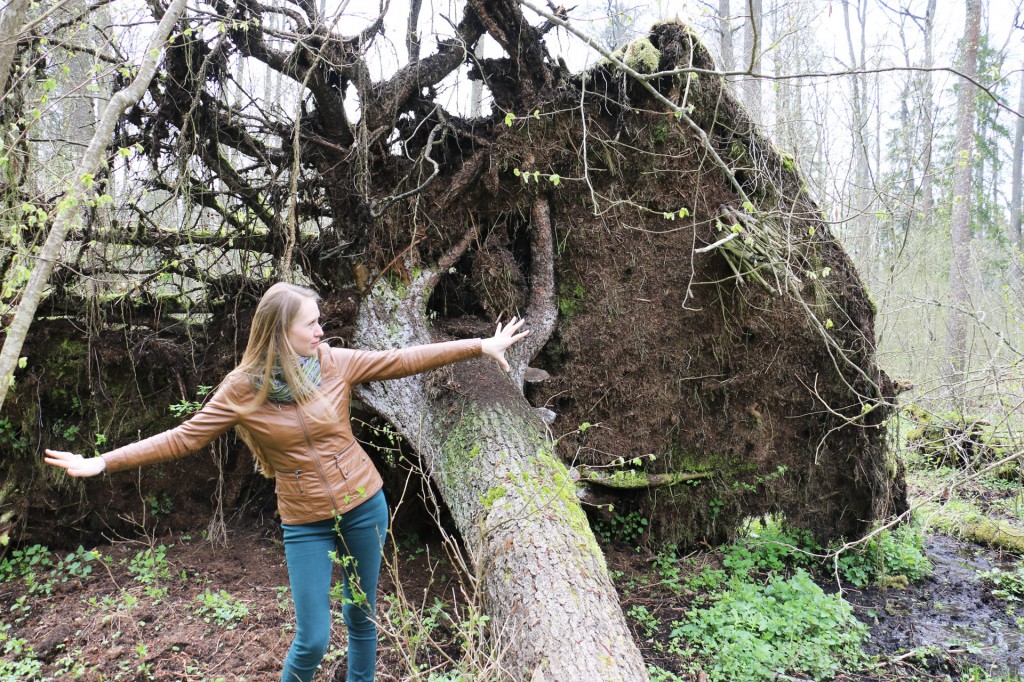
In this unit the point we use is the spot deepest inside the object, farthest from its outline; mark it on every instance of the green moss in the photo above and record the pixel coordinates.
(641, 56)
(738, 153)
(461, 450)
(570, 298)
(554, 482)
(659, 133)
(492, 496)
(962, 519)
(541, 485)
(895, 582)
(693, 462)
(632, 479)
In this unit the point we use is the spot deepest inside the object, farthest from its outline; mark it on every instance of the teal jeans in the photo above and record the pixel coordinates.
(356, 539)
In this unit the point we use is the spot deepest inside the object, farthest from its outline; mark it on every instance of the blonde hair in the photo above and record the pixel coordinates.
(268, 350)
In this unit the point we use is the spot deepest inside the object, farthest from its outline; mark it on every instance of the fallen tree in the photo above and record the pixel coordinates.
(709, 346)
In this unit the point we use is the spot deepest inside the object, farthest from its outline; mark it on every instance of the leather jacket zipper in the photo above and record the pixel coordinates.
(316, 460)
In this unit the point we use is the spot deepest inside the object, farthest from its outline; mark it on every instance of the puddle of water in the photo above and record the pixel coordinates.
(949, 610)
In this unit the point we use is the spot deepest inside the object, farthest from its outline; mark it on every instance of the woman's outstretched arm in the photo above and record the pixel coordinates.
(359, 366)
(213, 419)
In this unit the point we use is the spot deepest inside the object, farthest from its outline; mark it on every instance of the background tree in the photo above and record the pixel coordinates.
(960, 221)
(1017, 186)
(753, 46)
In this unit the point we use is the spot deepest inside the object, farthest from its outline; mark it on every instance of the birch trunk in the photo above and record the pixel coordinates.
(68, 206)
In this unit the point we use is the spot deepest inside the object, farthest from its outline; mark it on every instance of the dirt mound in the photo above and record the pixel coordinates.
(688, 355)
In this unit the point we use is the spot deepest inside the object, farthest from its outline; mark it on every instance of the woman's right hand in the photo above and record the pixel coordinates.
(75, 464)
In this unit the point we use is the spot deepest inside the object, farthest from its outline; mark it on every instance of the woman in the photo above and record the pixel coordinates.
(289, 401)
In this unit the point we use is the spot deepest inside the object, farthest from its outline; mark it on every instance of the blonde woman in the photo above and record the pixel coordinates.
(289, 400)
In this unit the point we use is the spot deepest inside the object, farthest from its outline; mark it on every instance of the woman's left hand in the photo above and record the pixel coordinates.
(503, 338)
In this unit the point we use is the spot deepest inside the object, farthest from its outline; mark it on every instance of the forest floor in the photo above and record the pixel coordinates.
(180, 608)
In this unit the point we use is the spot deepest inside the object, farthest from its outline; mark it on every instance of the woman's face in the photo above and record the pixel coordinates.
(304, 333)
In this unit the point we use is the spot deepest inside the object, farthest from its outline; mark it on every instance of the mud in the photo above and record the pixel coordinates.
(951, 611)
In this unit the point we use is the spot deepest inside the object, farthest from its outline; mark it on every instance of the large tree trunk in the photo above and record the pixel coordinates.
(540, 571)
(960, 222)
(544, 582)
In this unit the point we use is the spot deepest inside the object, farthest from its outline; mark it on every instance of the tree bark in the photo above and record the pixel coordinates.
(68, 206)
(960, 221)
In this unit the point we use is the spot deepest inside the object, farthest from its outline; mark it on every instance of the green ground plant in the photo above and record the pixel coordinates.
(889, 557)
(1006, 585)
(150, 566)
(661, 675)
(222, 608)
(627, 529)
(645, 619)
(768, 545)
(42, 570)
(755, 632)
(19, 660)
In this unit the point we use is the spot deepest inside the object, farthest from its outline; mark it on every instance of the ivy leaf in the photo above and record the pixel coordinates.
(555, 179)
(509, 117)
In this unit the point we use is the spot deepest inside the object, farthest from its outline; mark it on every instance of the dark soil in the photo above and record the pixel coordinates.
(90, 622)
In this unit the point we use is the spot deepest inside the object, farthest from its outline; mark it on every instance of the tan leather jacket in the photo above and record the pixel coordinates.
(321, 469)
